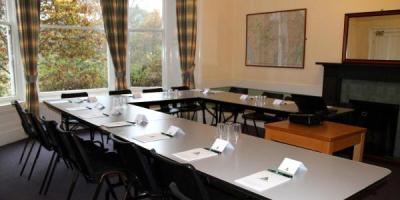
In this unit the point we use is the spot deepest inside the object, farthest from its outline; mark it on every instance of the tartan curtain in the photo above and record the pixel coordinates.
(115, 17)
(187, 27)
(28, 31)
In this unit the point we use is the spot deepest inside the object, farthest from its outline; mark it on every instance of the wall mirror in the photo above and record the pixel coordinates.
(372, 37)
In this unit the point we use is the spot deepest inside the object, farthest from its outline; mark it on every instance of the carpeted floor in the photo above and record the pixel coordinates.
(15, 187)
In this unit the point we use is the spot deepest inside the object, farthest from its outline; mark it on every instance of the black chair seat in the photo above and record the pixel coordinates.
(105, 163)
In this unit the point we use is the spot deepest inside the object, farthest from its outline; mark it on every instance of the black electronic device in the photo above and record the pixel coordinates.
(312, 105)
(306, 119)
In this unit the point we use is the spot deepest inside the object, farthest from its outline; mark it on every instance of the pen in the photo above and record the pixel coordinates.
(280, 173)
(106, 114)
(162, 133)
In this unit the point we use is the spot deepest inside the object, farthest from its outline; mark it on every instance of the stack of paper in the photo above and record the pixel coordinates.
(151, 137)
(195, 154)
(263, 180)
(91, 115)
(117, 124)
(76, 108)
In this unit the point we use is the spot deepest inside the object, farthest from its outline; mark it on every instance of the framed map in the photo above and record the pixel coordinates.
(276, 39)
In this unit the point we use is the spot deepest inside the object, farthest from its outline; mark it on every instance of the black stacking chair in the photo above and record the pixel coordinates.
(139, 171)
(234, 110)
(42, 138)
(190, 107)
(179, 181)
(119, 92)
(29, 131)
(63, 150)
(261, 116)
(96, 168)
(66, 121)
(164, 107)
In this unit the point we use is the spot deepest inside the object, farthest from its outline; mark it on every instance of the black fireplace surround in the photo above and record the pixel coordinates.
(334, 73)
(380, 122)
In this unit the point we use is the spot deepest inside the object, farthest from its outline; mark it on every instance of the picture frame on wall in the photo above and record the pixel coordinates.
(276, 39)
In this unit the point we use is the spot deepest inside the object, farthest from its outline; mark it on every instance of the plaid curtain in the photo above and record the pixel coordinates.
(28, 30)
(115, 17)
(187, 25)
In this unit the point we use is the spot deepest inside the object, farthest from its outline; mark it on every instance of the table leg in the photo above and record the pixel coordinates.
(359, 149)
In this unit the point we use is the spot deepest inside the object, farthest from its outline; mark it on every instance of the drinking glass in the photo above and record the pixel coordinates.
(237, 129)
(220, 130)
(228, 131)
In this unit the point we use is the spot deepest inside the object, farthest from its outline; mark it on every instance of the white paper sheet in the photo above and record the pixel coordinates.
(91, 115)
(76, 108)
(58, 101)
(151, 137)
(195, 154)
(117, 124)
(263, 180)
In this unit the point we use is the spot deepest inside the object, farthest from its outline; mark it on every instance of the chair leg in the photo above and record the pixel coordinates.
(91, 134)
(194, 114)
(51, 174)
(203, 112)
(235, 116)
(245, 125)
(110, 186)
(47, 172)
(27, 158)
(23, 151)
(34, 162)
(98, 188)
(73, 183)
(255, 127)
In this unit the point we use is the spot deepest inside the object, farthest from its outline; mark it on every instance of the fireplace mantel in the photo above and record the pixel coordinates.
(334, 73)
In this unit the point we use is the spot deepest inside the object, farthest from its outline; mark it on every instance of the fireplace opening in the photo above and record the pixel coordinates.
(381, 121)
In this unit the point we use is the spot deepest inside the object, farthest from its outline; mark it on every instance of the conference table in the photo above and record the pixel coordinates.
(327, 177)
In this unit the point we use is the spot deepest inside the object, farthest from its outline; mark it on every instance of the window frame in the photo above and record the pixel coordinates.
(18, 69)
(160, 30)
(13, 54)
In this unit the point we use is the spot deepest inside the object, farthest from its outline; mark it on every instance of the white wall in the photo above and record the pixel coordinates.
(10, 126)
(223, 29)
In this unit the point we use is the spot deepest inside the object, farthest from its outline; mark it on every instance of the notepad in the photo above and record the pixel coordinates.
(59, 101)
(91, 115)
(151, 137)
(195, 154)
(76, 108)
(117, 124)
(263, 180)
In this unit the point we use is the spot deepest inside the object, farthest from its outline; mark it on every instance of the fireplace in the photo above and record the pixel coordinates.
(380, 119)
(372, 90)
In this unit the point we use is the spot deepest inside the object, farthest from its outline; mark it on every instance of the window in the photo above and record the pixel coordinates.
(73, 47)
(145, 42)
(6, 69)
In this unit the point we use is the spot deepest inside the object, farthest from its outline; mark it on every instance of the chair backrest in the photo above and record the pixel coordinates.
(56, 138)
(239, 90)
(119, 92)
(138, 164)
(41, 132)
(272, 95)
(26, 124)
(74, 95)
(181, 180)
(180, 88)
(152, 90)
(82, 158)
(71, 150)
